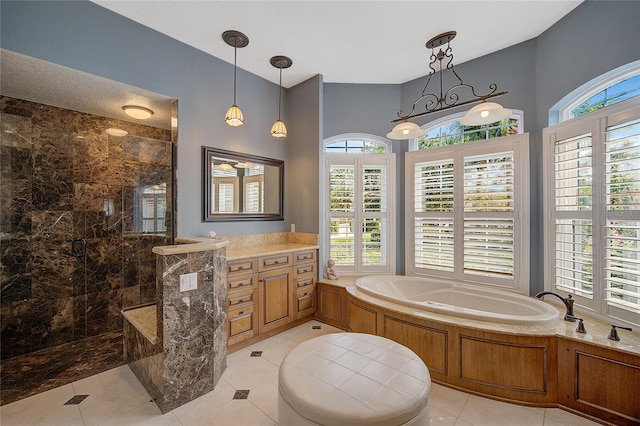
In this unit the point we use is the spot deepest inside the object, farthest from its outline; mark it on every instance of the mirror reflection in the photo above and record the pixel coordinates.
(241, 186)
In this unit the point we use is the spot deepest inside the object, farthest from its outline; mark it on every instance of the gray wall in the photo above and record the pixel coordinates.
(594, 38)
(87, 37)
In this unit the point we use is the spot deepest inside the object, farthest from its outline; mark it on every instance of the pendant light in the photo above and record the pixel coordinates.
(444, 98)
(279, 130)
(236, 39)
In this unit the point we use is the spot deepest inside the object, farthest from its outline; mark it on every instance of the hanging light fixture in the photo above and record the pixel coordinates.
(225, 167)
(279, 130)
(484, 113)
(236, 39)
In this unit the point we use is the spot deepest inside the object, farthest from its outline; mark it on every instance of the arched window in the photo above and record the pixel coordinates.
(358, 183)
(607, 89)
(448, 131)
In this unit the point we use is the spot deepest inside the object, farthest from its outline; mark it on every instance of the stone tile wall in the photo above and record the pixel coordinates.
(57, 168)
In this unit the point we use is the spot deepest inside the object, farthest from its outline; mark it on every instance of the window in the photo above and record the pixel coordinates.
(151, 209)
(467, 215)
(592, 207)
(359, 179)
(607, 89)
(449, 131)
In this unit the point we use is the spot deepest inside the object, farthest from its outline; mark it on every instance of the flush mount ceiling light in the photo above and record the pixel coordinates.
(242, 165)
(279, 130)
(449, 98)
(238, 40)
(137, 112)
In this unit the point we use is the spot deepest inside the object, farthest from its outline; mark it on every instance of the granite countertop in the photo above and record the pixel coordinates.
(191, 245)
(236, 253)
(597, 328)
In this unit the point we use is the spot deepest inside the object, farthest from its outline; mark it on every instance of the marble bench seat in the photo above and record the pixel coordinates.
(145, 320)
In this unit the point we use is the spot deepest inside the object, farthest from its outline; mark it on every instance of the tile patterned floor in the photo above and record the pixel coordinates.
(247, 395)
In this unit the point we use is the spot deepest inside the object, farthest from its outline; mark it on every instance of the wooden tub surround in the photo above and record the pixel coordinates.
(541, 366)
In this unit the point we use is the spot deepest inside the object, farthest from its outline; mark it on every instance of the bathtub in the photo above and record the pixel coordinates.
(457, 299)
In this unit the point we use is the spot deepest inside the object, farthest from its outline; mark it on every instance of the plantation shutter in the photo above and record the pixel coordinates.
(489, 215)
(342, 193)
(573, 170)
(360, 211)
(467, 210)
(622, 241)
(433, 222)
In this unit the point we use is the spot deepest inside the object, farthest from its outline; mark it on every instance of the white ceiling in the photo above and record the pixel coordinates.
(346, 41)
(25, 77)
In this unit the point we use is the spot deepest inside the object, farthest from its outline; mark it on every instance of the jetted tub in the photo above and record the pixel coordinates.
(463, 300)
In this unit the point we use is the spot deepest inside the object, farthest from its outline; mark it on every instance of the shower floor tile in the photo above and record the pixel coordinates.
(30, 374)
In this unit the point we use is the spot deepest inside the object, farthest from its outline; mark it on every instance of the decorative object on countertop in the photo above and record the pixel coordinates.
(212, 234)
(613, 334)
(331, 273)
(483, 113)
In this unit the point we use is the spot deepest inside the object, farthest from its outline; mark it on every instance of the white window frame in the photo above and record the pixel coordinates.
(519, 145)
(561, 111)
(360, 160)
(595, 124)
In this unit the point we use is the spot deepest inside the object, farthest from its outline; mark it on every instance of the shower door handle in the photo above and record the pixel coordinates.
(78, 247)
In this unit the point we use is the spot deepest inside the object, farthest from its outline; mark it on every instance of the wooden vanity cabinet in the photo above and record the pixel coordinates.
(275, 307)
(268, 292)
(242, 300)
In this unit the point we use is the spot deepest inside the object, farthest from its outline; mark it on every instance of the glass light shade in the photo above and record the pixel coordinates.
(234, 116)
(405, 130)
(279, 130)
(137, 112)
(485, 113)
(242, 165)
(225, 167)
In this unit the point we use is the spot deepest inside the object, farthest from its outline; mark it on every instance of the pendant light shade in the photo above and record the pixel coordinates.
(225, 167)
(234, 116)
(279, 130)
(485, 113)
(234, 38)
(405, 130)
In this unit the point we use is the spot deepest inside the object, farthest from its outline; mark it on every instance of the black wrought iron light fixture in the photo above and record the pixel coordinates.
(238, 40)
(279, 130)
(483, 113)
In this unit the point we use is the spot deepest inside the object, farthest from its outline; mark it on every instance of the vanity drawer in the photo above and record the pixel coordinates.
(305, 301)
(241, 266)
(242, 324)
(305, 268)
(305, 281)
(305, 256)
(276, 261)
(237, 299)
(237, 282)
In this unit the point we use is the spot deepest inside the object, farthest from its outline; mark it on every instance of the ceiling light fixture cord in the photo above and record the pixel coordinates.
(449, 98)
(280, 94)
(235, 66)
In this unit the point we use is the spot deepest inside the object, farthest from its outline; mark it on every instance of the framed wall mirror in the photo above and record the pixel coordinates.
(240, 186)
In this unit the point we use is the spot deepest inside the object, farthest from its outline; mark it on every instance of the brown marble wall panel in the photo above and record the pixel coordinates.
(191, 326)
(56, 168)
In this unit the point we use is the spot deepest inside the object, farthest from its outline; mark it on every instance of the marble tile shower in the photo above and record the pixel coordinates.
(80, 211)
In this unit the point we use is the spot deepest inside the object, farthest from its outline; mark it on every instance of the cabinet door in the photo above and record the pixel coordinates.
(276, 290)
(332, 307)
(305, 303)
(241, 324)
